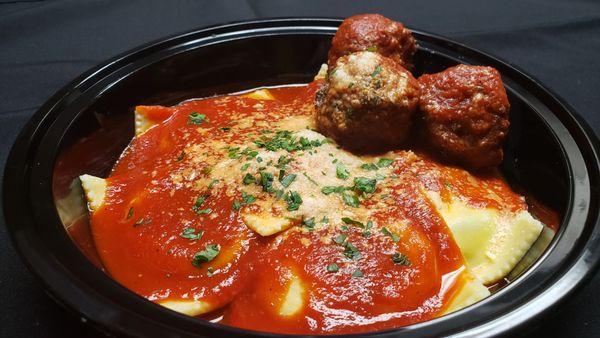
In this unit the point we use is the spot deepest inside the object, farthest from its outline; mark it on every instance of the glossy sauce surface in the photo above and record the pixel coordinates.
(150, 202)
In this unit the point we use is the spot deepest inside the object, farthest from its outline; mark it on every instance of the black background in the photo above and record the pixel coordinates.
(45, 44)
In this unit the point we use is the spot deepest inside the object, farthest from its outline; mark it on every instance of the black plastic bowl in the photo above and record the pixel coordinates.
(550, 154)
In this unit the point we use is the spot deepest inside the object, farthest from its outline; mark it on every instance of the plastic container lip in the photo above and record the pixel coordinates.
(74, 282)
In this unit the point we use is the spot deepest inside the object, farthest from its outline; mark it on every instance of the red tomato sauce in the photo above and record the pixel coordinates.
(150, 202)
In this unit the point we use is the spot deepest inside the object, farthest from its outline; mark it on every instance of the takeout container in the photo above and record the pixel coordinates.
(550, 155)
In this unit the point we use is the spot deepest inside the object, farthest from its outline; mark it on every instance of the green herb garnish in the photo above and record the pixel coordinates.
(293, 200)
(212, 183)
(350, 221)
(310, 179)
(340, 239)
(376, 71)
(333, 189)
(351, 251)
(357, 273)
(196, 118)
(400, 259)
(384, 162)
(341, 172)
(283, 161)
(191, 234)
(246, 199)
(249, 179)
(364, 185)
(129, 213)
(350, 200)
(369, 166)
(333, 267)
(309, 223)
(395, 238)
(198, 204)
(286, 180)
(285, 140)
(208, 254)
(266, 180)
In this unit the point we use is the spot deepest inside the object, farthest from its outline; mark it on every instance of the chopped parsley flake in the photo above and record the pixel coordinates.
(286, 180)
(266, 180)
(341, 172)
(333, 267)
(130, 213)
(232, 152)
(372, 49)
(340, 239)
(250, 154)
(380, 177)
(245, 166)
(364, 185)
(384, 162)
(225, 128)
(309, 223)
(400, 259)
(350, 200)
(285, 140)
(283, 161)
(191, 234)
(351, 251)
(369, 166)
(390, 234)
(293, 200)
(249, 179)
(212, 183)
(350, 221)
(357, 273)
(208, 254)
(376, 71)
(246, 199)
(310, 179)
(196, 118)
(332, 189)
(198, 204)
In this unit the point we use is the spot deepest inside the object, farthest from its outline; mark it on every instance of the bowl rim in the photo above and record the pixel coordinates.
(26, 161)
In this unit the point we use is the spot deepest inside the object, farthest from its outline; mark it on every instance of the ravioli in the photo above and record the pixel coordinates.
(492, 237)
(95, 190)
(214, 189)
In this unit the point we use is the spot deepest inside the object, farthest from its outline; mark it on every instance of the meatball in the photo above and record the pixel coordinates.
(374, 33)
(465, 113)
(367, 102)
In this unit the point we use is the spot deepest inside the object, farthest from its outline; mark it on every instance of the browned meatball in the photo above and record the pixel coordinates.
(367, 102)
(374, 33)
(465, 113)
